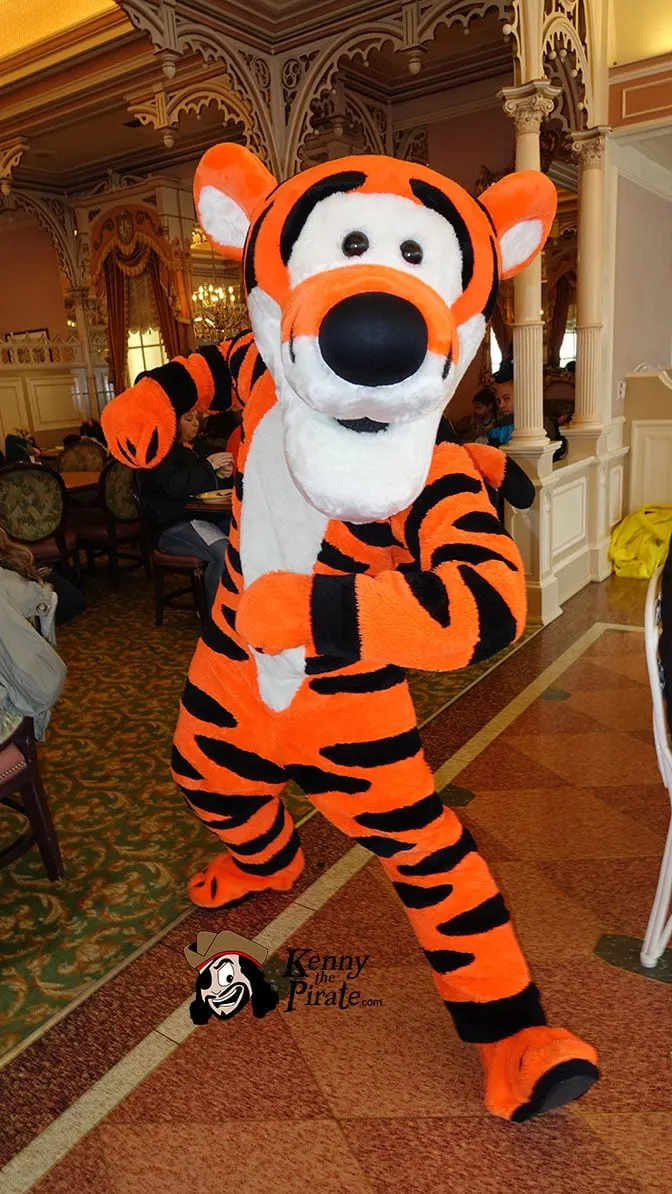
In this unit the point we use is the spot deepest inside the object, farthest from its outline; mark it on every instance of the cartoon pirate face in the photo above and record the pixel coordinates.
(229, 977)
(229, 989)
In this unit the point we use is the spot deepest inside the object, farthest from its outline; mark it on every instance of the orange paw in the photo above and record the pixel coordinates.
(535, 1071)
(274, 613)
(222, 882)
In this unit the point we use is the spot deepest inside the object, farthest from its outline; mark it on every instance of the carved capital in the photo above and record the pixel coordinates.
(589, 148)
(11, 153)
(530, 105)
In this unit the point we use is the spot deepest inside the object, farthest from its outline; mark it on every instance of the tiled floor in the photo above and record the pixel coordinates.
(382, 1098)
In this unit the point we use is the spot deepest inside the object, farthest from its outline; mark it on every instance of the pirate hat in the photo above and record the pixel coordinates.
(211, 945)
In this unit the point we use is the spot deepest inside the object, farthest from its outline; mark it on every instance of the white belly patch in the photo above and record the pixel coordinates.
(279, 531)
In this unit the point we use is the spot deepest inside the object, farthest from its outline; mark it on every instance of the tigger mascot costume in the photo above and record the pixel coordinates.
(363, 541)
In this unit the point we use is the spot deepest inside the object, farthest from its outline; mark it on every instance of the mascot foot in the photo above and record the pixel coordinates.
(222, 883)
(535, 1071)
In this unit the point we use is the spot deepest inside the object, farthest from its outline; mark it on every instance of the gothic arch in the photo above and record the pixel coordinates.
(567, 61)
(51, 215)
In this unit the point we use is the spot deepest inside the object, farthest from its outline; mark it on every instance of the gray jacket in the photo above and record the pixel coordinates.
(32, 674)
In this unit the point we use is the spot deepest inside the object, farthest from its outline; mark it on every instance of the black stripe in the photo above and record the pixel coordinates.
(497, 625)
(492, 297)
(229, 615)
(258, 370)
(384, 847)
(238, 485)
(378, 681)
(374, 534)
(152, 446)
(436, 200)
(484, 1023)
(445, 961)
(178, 384)
(250, 249)
(333, 558)
(480, 523)
(378, 752)
(125, 454)
(231, 811)
(333, 615)
(334, 184)
(227, 581)
(517, 488)
(233, 558)
(430, 592)
(443, 860)
(277, 863)
(182, 767)
(237, 357)
(486, 916)
(203, 706)
(407, 817)
(422, 897)
(220, 375)
(468, 553)
(448, 486)
(221, 644)
(257, 844)
(317, 664)
(315, 782)
(439, 862)
(244, 763)
(132, 449)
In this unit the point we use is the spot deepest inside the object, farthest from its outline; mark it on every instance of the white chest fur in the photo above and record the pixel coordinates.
(279, 531)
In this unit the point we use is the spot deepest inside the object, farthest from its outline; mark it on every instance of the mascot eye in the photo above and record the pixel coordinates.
(355, 243)
(411, 252)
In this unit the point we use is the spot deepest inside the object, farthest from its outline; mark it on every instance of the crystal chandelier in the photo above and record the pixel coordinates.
(219, 313)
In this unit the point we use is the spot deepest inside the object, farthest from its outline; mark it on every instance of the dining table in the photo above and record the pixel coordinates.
(219, 505)
(77, 481)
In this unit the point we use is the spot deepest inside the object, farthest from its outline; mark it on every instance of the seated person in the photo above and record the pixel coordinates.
(483, 417)
(223, 431)
(23, 584)
(166, 489)
(91, 429)
(504, 393)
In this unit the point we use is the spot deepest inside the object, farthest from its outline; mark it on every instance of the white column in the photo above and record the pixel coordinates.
(589, 147)
(79, 297)
(528, 106)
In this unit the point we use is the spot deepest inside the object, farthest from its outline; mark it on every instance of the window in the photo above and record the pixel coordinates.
(145, 351)
(495, 353)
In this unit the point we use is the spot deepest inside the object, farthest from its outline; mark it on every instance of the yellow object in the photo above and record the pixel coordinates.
(210, 493)
(639, 544)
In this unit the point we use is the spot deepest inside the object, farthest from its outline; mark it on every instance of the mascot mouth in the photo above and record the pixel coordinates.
(369, 426)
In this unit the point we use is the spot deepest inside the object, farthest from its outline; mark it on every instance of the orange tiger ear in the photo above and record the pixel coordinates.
(229, 186)
(522, 207)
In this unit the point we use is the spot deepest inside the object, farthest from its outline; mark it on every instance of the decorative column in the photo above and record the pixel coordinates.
(528, 106)
(589, 147)
(79, 297)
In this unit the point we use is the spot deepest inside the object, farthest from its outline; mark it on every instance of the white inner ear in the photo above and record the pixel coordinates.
(520, 243)
(221, 218)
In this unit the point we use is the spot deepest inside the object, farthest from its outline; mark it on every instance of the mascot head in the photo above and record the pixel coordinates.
(370, 282)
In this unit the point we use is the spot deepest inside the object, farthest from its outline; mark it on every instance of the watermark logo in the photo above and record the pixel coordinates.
(229, 976)
(230, 973)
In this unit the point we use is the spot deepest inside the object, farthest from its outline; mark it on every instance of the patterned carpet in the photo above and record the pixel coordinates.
(128, 843)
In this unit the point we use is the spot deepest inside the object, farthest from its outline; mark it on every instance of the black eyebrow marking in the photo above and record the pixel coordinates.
(435, 200)
(346, 180)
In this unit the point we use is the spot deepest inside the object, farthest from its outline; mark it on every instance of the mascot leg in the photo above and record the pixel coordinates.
(375, 785)
(225, 763)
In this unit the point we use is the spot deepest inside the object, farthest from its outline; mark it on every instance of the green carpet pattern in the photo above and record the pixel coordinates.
(127, 840)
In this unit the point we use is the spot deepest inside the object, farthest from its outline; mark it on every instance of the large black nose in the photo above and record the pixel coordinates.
(373, 339)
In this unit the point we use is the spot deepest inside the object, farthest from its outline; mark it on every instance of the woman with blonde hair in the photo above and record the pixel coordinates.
(27, 587)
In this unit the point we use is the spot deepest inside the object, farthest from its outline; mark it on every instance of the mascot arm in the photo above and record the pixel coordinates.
(462, 600)
(140, 424)
(501, 472)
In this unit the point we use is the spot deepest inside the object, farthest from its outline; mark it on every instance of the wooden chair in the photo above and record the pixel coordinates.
(33, 511)
(112, 525)
(20, 777)
(83, 456)
(163, 564)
